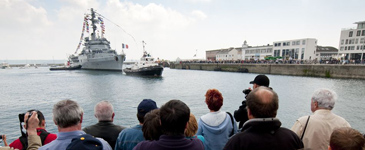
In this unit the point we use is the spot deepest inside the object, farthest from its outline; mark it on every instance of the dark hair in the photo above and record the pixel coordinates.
(151, 126)
(346, 138)
(263, 102)
(214, 99)
(40, 116)
(174, 115)
(140, 118)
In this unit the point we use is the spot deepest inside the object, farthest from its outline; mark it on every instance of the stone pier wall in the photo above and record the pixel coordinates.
(315, 70)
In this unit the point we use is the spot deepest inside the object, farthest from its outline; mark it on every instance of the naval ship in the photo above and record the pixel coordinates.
(96, 53)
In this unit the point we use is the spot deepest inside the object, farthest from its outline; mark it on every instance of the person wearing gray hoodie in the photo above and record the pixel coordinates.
(216, 126)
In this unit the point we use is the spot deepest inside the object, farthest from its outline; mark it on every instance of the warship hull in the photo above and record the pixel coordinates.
(111, 63)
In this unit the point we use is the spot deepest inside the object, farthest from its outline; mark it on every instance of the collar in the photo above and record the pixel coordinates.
(264, 124)
(67, 135)
(322, 111)
(105, 123)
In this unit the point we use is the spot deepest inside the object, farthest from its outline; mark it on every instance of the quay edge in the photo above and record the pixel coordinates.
(314, 70)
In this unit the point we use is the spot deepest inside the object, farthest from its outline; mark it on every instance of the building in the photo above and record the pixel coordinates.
(352, 42)
(326, 53)
(224, 54)
(256, 52)
(299, 49)
(211, 54)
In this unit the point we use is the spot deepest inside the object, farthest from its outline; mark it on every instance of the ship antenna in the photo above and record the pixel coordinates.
(93, 23)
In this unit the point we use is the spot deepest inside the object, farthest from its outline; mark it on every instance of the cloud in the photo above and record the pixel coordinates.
(22, 17)
(199, 1)
(199, 14)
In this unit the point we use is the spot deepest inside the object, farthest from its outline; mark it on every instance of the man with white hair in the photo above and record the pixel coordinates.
(315, 130)
(67, 115)
(105, 128)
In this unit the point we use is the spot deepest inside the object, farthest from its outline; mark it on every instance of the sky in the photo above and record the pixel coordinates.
(51, 29)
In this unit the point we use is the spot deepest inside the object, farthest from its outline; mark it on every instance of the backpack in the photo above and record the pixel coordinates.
(24, 139)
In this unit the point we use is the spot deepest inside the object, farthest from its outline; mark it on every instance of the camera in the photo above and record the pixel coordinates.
(246, 91)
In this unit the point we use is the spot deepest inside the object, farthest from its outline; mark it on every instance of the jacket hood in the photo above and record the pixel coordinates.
(221, 124)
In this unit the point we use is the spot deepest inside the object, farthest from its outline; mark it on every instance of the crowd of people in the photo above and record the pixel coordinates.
(173, 127)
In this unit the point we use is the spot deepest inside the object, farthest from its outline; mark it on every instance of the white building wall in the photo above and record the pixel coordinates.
(299, 49)
(352, 41)
(257, 52)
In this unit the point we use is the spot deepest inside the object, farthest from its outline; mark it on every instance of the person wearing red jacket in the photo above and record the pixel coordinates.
(46, 137)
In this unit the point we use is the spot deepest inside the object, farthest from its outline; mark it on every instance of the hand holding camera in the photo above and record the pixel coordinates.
(32, 122)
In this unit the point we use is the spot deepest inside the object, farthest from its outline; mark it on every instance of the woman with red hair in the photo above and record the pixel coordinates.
(216, 126)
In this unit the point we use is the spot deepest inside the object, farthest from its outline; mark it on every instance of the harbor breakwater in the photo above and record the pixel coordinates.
(315, 70)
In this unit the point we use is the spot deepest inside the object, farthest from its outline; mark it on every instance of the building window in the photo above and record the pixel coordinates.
(293, 43)
(356, 41)
(347, 41)
(345, 47)
(303, 42)
(269, 50)
(341, 48)
(298, 43)
(363, 33)
(357, 47)
(296, 54)
(279, 44)
(302, 56)
(362, 40)
(358, 33)
(342, 42)
(350, 34)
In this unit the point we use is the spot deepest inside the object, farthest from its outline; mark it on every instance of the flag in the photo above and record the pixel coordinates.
(126, 46)
(122, 45)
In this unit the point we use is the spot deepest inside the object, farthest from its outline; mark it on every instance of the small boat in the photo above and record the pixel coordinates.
(26, 66)
(66, 68)
(145, 67)
(5, 65)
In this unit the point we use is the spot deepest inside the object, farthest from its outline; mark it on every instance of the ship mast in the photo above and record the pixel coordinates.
(93, 22)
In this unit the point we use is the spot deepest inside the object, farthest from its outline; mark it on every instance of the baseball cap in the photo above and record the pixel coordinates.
(146, 106)
(85, 141)
(261, 80)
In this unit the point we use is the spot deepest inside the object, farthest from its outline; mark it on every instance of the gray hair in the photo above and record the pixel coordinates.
(326, 98)
(104, 111)
(67, 113)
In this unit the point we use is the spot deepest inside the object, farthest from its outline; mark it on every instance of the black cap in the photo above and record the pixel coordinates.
(261, 80)
(146, 106)
(85, 141)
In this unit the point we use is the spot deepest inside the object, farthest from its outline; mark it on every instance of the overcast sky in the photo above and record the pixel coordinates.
(51, 29)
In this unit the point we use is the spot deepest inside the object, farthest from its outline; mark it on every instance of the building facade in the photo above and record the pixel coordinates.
(224, 54)
(352, 42)
(325, 53)
(256, 52)
(299, 49)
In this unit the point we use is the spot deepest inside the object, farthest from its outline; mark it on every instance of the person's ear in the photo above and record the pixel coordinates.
(249, 114)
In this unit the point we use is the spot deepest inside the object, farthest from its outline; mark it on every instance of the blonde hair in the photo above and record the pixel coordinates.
(192, 126)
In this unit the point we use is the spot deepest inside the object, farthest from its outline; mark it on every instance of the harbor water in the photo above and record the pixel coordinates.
(24, 89)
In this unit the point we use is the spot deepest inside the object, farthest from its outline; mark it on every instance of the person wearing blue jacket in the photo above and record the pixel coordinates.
(217, 126)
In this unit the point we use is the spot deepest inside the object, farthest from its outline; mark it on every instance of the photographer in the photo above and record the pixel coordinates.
(34, 141)
(22, 143)
(241, 114)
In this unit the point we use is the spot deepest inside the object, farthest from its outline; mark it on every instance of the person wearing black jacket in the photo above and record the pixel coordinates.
(241, 114)
(105, 128)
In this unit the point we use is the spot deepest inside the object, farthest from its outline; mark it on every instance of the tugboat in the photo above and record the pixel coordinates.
(96, 53)
(145, 67)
